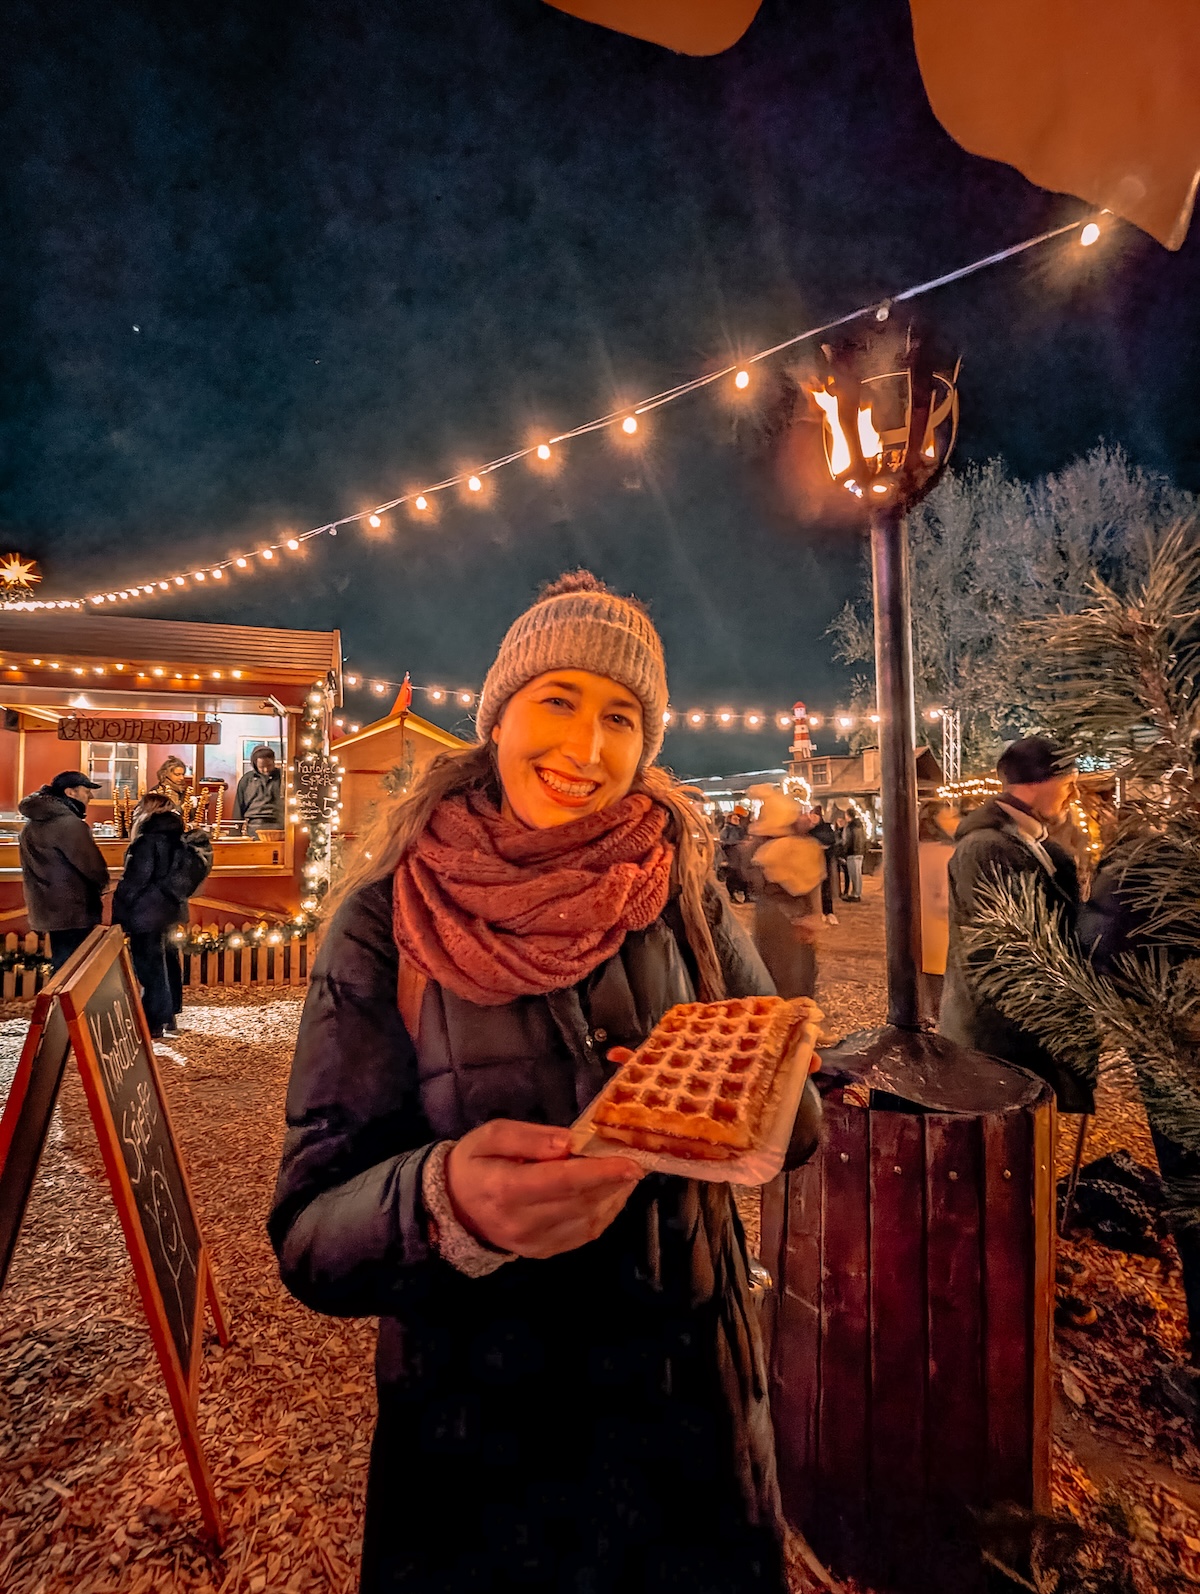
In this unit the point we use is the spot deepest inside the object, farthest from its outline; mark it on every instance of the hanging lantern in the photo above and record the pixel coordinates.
(889, 417)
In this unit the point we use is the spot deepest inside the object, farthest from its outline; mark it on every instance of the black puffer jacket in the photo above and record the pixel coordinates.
(62, 868)
(987, 844)
(596, 1421)
(162, 869)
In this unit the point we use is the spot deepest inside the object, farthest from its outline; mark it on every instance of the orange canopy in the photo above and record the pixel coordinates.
(1096, 98)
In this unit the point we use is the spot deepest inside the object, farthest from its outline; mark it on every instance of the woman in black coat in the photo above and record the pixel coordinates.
(162, 868)
(571, 1388)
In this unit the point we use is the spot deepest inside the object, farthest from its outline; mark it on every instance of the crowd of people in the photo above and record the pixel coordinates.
(65, 880)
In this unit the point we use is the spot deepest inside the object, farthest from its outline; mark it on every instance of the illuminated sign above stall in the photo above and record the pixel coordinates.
(117, 728)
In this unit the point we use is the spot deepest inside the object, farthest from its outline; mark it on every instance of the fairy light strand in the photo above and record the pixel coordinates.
(625, 417)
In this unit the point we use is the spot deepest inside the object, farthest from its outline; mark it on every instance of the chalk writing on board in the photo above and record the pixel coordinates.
(134, 1102)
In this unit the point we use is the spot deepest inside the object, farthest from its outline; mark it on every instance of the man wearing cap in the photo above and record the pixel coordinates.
(62, 868)
(1004, 839)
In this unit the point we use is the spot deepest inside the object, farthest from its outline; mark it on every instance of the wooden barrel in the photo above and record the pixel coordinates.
(910, 1327)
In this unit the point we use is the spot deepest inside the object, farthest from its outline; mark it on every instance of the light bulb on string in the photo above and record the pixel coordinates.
(543, 451)
(374, 520)
(1089, 235)
(629, 425)
(742, 379)
(421, 502)
(474, 483)
(268, 553)
(292, 544)
(240, 562)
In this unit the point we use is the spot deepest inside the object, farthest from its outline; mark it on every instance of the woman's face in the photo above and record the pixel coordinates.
(567, 744)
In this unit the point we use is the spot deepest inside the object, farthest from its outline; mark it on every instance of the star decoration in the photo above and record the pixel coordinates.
(18, 576)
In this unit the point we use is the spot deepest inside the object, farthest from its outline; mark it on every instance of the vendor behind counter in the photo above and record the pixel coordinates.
(259, 796)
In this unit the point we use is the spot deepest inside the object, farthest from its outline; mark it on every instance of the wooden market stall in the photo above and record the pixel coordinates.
(382, 758)
(115, 698)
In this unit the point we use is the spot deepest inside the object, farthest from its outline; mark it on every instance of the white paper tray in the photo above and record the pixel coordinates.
(758, 1166)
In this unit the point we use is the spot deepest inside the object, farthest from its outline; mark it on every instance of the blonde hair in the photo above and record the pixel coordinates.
(397, 825)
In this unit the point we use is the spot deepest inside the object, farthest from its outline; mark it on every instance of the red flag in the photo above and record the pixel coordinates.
(403, 698)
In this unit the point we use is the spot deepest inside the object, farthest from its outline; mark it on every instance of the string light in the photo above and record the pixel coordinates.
(374, 520)
(1088, 233)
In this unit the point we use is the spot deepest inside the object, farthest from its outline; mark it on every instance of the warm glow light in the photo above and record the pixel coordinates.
(742, 379)
(240, 562)
(845, 721)
(466, 698)
(783, 721)
(668, 717)
(879, 487)
(97, 600)
(354, 728)
(237, 674)
(935, 714)
(378, 686)
(1089, 234)
(162, 586)
(753, 721)
(839, 452)
(158, 670)
(197, 575)
(421, 502)
(929, 451)
(216, 675)
(474, 484)
(374, 520)
(814, 720)
(696, 718)
(629, 424)
(218, 575)
(268, 553)
(292, 544)
(352, 680)
(543, 451)
(436, 694)
(874, 718)
(869, 439)
(179, 581)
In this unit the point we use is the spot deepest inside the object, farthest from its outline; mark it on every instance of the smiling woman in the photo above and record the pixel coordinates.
(568, 1364)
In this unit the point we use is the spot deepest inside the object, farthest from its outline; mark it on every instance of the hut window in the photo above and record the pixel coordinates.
(820, 772)
(115, 764)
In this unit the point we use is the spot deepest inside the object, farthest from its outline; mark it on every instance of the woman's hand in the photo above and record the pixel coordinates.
(516, 1187)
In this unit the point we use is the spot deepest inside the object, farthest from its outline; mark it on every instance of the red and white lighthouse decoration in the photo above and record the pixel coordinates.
(802, 746)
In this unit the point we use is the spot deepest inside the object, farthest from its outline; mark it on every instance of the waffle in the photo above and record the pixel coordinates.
(699, 1086)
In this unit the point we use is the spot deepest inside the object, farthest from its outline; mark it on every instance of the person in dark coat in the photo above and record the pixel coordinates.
(827, 837)
(854, 850)
(570, 1377)
(62, 868)
(1005, 838)
(732, 838)
(163, 867)
(259, 796)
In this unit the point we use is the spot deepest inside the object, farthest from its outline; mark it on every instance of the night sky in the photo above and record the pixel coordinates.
(366, 245)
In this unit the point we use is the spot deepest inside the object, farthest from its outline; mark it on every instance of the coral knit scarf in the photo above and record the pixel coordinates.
(493, 910)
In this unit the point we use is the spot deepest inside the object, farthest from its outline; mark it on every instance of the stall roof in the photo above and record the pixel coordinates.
(263, 653)
(412, 722)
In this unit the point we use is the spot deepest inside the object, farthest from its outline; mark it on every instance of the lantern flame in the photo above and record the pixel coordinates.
(869, 439)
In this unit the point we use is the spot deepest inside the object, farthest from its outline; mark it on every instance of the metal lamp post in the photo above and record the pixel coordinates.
(910, 1327)
(888, 434)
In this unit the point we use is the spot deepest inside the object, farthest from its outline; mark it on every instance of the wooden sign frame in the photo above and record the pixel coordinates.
(29, 1108)
(103, 952)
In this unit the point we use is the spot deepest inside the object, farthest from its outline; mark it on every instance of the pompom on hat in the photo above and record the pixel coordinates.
(578, 624)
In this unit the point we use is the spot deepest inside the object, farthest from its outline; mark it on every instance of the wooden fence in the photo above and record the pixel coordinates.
(256, 962)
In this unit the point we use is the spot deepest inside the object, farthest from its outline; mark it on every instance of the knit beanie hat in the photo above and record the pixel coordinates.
(578, 624)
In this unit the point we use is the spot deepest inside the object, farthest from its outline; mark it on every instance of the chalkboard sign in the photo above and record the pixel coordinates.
(115, 1053)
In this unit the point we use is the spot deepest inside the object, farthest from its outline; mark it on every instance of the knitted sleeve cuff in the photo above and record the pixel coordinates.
(447, 1236)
